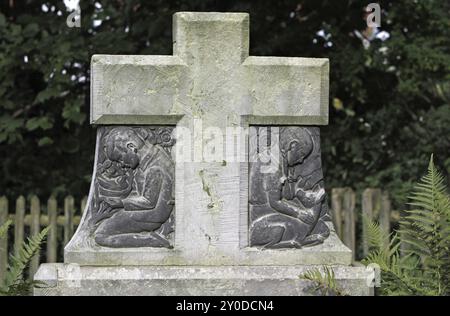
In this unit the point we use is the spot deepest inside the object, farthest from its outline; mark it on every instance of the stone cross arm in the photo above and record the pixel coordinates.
(210, 67)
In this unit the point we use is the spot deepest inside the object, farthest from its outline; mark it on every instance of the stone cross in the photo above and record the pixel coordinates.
(157, 224)
(210, 80)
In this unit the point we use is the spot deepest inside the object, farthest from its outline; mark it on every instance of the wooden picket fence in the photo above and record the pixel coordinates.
(375, 204)
(35, 221)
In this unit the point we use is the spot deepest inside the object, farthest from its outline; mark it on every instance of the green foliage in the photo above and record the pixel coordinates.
(395, 269)
(14, 283)
(390, 101)
(423, 267)
(324, 281)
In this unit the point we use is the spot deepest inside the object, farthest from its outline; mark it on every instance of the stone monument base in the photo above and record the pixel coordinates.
(70, 279)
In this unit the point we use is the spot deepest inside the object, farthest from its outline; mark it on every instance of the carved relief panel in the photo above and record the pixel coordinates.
(133, 199)
(287, 201)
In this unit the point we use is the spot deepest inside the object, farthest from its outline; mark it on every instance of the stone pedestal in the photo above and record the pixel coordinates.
(144, 272)
(69, 279)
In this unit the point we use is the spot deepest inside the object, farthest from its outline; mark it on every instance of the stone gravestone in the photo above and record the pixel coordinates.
(207, 176)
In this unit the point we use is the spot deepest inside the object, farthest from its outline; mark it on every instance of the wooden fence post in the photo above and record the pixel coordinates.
(348, 236)
(52, 238)
(19, 221)
(68, 220)
(370, 210)
(384, 218)
(336, 209)
(343, 214)
(3, 241)
(35, 227)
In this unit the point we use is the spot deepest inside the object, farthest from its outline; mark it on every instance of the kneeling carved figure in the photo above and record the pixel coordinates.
(135, 188)
(288, 207)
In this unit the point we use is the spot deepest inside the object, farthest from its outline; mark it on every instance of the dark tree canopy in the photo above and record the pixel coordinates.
(389, 98)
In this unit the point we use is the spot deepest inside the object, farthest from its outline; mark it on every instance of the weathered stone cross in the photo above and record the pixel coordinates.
(237, 230)
(211, 78)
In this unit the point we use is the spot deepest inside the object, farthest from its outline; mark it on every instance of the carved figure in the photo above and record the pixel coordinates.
(134, 188)
(288, 207)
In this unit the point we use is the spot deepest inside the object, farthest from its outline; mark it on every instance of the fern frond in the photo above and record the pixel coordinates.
(325, 282)
(375, 237)
(394, 244)
(424, 266)
(396, 280)
(426, 231)
(24, 255)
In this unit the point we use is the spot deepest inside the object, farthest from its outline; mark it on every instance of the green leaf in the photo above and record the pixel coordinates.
(39, 122)
(32, 124)
(45, 141)
(47, 94)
